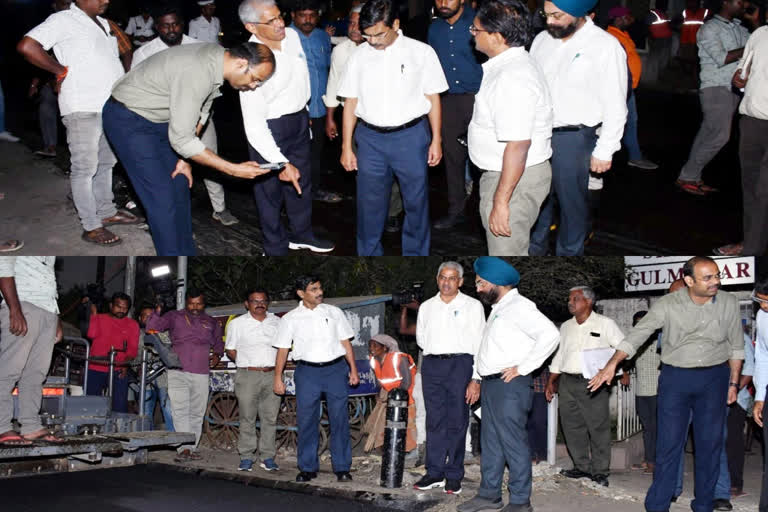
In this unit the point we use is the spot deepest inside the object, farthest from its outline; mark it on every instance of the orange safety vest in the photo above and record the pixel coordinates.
(388, 373)
(660, 28)
(692, 22)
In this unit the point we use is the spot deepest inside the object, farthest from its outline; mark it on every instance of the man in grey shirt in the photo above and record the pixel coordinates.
(701, 349)
(154, 119)
(29, 327)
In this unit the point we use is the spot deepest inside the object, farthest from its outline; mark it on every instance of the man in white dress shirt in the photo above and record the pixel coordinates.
(205, 27)
(320, 336)
(392, 84)
(169, 25)
(517, 339)
(586, 72)
(584, 416)
(509, 140)
(277, 127)
(448, 330)
(140, 27)
(249, 343)
(86, 66)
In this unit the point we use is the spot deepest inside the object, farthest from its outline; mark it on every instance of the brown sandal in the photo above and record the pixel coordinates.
(42, 435)
(121, 217)
(101, 236)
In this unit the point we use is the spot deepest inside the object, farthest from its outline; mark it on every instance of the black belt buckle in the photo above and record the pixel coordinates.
(320, 365)
(493, 376)
(392, 129)
(444, 356)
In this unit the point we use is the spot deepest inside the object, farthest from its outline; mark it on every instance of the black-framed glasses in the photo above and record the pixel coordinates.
(553, 15)
(474, 30)
(381, 35)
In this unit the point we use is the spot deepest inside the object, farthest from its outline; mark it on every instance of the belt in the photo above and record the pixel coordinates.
(445, 356)
(319, 365)
(390, 129)
(493, 376)
(725, 363)
(258, 368)
(575, 127)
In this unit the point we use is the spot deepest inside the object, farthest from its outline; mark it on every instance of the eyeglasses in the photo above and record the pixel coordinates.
(553, 15)
(448, 278)
(474, 30)
(710, 277)
(274, 21)
(382, 35)
(757, 299)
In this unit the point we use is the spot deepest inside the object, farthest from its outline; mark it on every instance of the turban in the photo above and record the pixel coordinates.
(204, 2)
(618, 12)
(497, 271)
(576, 8)
(387, 341)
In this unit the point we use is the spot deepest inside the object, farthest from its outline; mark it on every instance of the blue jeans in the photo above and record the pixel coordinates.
(145, 152)
(630, 130)
(571, 153)
(379, 157)
(682, 391)
(154, 393)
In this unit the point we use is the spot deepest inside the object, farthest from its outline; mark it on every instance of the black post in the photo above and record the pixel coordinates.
(393, 458)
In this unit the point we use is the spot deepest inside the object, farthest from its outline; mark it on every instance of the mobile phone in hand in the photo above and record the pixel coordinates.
(273, 166)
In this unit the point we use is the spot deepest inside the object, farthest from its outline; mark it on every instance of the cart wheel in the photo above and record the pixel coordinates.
(356, 408)
(221, 426)
(287, 437)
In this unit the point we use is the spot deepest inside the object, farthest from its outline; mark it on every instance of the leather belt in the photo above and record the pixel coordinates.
(493, 376)
(575, 127)
(259, 368)
(319, 365)
(391, 129)
(445, 356)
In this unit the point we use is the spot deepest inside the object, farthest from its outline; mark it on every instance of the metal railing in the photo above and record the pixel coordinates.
(627, 420)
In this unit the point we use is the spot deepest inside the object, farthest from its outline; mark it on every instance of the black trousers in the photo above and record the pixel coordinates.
(457, 112)
(753, 154)
(537, 427)
(646, 409)
(291, 133)
(734, 444)
(317, 149)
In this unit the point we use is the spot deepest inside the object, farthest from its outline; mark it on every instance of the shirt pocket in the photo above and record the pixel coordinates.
(580, 71)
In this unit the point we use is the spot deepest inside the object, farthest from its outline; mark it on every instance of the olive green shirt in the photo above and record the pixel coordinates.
(176, 86)
(694, 335)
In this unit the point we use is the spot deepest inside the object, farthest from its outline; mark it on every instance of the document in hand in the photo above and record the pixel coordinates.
(594, 359)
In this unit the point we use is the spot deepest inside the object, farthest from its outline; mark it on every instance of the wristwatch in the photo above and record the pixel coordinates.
(734, 384)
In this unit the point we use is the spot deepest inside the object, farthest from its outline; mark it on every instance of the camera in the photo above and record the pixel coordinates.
(95, 293)
(165, 292)
(406, 295)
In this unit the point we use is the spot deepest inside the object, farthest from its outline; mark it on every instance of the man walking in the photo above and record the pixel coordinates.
(586, 72)
(585, 417)
(701, 353)
(277, 127)
(392, 83)
(29, 327)
(509, 141)
(449, 35)
(760, 295)
(516, 341)
(107, 331)
(319, 335)
(449, 327)
(721, 43)
(193, 335)
(86, 67)
(250, 339)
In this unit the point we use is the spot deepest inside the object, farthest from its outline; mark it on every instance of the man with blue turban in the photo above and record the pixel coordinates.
(586, 71)
(517, 340)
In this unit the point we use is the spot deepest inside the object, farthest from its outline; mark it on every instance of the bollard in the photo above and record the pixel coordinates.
(393, 458)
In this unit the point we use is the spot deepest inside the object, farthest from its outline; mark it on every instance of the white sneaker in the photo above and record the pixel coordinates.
(8, 137)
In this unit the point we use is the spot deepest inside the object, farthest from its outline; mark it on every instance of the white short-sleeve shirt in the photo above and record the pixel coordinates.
(390, 84)
(138, 26)
(204, 30)
(315, 334)
(512, 105)
(156, 46)
(90, 54)
(253, 339)
(597, 331)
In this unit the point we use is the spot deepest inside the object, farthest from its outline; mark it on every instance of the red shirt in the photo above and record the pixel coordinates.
(106, 332)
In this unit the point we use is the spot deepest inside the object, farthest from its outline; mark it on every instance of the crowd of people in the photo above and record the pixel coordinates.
(402, 105)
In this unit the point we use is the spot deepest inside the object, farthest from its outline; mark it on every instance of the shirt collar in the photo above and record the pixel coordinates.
(74, 8)
(457, 300)
(508, 297)
(734, 21)
(503, 58)
(302, 307)
(393, 46)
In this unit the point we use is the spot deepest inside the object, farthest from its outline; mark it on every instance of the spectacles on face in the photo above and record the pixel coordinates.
(450, 279)
(551, 15)
(273, 22)
(373, 37)
(757, 299)
(480, 283)
(474, 30)
(710, 277)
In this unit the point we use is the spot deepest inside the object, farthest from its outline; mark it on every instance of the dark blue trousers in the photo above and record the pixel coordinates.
(537, 426)
(98, 384)
(311, 384)
(379, 157)
(571, 154)
(504, 438)
(704, 392)
(148, 158)
(291, 133)
(444, 383)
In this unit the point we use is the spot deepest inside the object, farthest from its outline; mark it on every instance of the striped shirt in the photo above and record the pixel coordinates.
(35, 279)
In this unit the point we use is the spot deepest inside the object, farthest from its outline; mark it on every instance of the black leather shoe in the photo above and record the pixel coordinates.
(674, 499)
(575, 473)
(722, 504)
(448, 221)
(343, 476)
(393, 225)
(306, 476)
(601, 479)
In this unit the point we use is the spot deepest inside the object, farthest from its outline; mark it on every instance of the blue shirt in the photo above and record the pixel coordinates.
(454, 48)
(317, 48)
(744, 398)
(760, 377)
